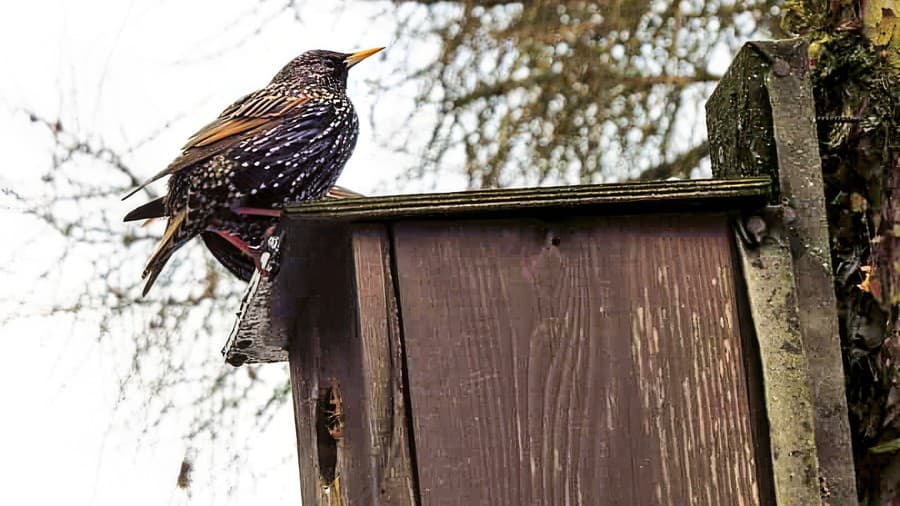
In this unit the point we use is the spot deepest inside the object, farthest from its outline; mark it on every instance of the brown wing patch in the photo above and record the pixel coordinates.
(224, 130)
(254, 112)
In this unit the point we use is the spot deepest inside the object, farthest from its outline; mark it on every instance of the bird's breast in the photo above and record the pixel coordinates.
(299, 158)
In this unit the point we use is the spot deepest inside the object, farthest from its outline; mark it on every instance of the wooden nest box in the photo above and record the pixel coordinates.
(650, 343)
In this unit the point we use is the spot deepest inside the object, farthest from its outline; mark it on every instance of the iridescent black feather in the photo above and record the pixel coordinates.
(285, 143)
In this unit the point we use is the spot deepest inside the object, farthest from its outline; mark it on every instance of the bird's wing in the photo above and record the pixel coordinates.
(254, 112)
(244, 116)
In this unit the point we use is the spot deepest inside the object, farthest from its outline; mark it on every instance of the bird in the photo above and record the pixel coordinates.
(287, 142)
(252, 230)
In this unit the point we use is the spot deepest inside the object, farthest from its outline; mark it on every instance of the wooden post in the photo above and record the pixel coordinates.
(762, 122)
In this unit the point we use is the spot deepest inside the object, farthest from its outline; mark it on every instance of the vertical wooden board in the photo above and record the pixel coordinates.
(577, 361)
(771, 297)
(756, 388)
(686, 345)
(351, 437)
(379, 326)
(323, 354)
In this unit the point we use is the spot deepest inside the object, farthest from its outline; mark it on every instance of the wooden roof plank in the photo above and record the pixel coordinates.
(704, 194)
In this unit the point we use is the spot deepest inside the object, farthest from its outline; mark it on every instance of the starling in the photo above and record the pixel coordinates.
(287, 142)
(239, 256)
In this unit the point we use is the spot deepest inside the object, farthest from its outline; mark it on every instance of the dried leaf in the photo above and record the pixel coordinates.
(887, 447)
(866, 284)
(858, 203)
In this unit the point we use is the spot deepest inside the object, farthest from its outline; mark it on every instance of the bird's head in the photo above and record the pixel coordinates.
(320, 66)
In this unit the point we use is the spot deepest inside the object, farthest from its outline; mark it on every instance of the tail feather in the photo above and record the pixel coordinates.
(156, 208)
(143, 185)
(228, 255)
(153, 272)
(166, 247)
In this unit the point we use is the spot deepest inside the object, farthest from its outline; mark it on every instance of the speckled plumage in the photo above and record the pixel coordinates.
(287, 142)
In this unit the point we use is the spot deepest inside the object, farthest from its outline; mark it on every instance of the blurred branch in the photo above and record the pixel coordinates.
(71, 144)
(565, 92)
(680, 167)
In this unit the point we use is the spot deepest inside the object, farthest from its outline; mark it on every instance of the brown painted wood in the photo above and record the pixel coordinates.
(382, 360)
(345, 369)
(577, 361)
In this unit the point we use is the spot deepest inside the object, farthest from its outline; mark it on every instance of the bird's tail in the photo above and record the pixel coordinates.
(156, 208)
(169, 243)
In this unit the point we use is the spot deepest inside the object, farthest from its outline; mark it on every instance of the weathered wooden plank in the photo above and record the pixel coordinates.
(382, 361)
(346, 379)
(802, 189)
(763, 112)
(575, 361)
(768, 273)
(707, 195)
(256, 337)
(759, 420)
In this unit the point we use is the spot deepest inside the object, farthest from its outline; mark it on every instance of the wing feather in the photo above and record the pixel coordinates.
(254, 112)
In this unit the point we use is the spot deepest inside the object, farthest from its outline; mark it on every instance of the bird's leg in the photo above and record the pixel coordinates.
(244, 248)
(256, 211)
(271, 249)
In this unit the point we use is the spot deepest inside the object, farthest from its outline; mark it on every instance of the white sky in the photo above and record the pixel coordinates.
(118, 71)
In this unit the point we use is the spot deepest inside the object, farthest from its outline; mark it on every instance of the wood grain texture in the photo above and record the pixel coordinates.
(578, 361)
(382, 364)
(261, 331)
(346, 382)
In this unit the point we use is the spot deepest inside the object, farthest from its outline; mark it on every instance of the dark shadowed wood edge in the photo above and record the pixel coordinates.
(762, 117)
(346, 368)
(653, 196)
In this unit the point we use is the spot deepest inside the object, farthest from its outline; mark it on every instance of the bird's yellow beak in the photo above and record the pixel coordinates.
(359, 56)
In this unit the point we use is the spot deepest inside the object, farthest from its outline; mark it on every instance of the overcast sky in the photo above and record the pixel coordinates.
(139, 77)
